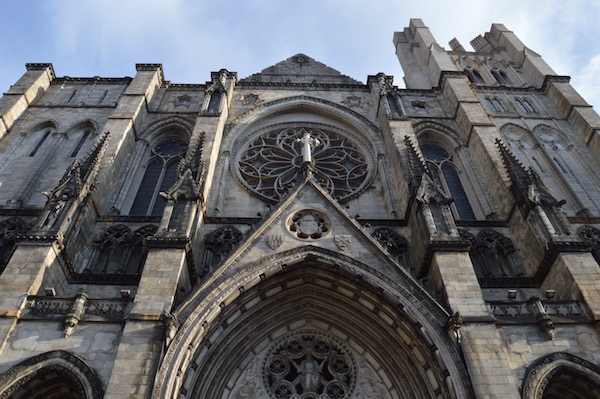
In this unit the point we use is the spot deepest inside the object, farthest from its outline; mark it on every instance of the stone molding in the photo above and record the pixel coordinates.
(540, 373)
(75, 369)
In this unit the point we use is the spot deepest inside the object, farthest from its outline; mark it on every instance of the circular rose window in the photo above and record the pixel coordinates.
(274, 160)
(309, 366)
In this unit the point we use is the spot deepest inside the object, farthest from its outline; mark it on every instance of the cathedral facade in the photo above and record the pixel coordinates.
(298, 234)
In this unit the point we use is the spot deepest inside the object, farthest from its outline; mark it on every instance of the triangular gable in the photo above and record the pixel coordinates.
(300, 69)
(272, 239)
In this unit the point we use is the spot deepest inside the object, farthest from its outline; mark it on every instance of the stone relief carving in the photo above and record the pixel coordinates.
(274, 241)
(343, 242)
(251, 99)
(309, 366)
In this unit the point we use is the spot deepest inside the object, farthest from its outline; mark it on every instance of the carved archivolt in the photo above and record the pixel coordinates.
(560, 373)
(42, 375)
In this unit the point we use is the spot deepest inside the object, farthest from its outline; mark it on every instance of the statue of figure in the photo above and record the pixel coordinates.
(307, 144)
(309, 371)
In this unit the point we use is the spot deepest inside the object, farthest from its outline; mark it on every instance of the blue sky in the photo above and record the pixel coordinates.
(192, 38)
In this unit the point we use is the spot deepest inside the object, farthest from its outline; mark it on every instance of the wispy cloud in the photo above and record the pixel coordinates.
(193, 38)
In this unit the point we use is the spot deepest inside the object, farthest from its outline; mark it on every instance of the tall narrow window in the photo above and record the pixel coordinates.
(84, 137)
(393, 103)
(499, 105)
(215, 102)
(71, 96)
(529, 106)
(439, 162)
(500, 76)
(160, 174)
(521, 105)
(474, 76)
(103, 96)
(39, 143)
(491, 105)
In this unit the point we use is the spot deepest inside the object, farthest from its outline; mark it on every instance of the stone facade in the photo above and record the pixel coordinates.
(299, 234)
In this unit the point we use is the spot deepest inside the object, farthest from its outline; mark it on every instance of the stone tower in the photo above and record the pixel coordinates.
(298, 234)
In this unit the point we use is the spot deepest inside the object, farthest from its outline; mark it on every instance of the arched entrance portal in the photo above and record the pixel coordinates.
(316, 330)
(562, 376)
(51, 375)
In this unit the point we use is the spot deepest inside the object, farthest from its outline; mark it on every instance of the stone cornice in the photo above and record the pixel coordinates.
(94, 80)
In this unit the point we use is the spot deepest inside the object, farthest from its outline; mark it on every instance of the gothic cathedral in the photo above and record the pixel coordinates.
(298, 234)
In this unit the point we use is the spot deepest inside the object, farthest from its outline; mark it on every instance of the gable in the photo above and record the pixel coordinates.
(300, 69)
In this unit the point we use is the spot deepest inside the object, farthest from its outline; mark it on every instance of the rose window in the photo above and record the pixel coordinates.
(309, 366)
(273, 163)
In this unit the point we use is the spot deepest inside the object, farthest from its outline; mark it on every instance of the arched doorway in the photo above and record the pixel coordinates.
(52, 375)
(562, 376)
(268, 341)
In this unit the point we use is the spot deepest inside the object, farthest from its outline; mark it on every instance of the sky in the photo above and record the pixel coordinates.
(191, 38)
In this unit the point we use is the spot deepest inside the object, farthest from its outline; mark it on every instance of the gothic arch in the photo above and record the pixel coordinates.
(157, 128)
(333, 113)
(9, 229)
(88, 123)
(561, 376)
(397, 346)
(549, 153)
(153, 166)
(51, 375)
(457, 172)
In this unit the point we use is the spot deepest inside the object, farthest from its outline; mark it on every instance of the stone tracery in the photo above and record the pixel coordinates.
(308, 366)
(273, 163)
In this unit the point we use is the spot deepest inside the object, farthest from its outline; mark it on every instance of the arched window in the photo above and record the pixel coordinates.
(120, 251)
(499, 106)
(439, 162)
(495, 105)
(218, 245)
(474, 76)
(562, 169)
(84, 136)
(561, 375)
(8, 238)
(51, 375)
(491, 254)
(160, 174)
(500, 76)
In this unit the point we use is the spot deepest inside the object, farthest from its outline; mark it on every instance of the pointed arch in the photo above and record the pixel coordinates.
(447, 156)
(118, 250)
(153, 169)
(170, 125)
(51, 375)
(337, 114)
(82, 135)
(561, 375)
(562, 169)
(313, 291)
(9, 229)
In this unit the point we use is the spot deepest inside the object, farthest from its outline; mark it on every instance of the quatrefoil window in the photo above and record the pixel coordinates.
(272, 163)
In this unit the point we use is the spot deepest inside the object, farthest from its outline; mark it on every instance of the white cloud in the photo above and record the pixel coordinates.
(587, 81)
(193, 38)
